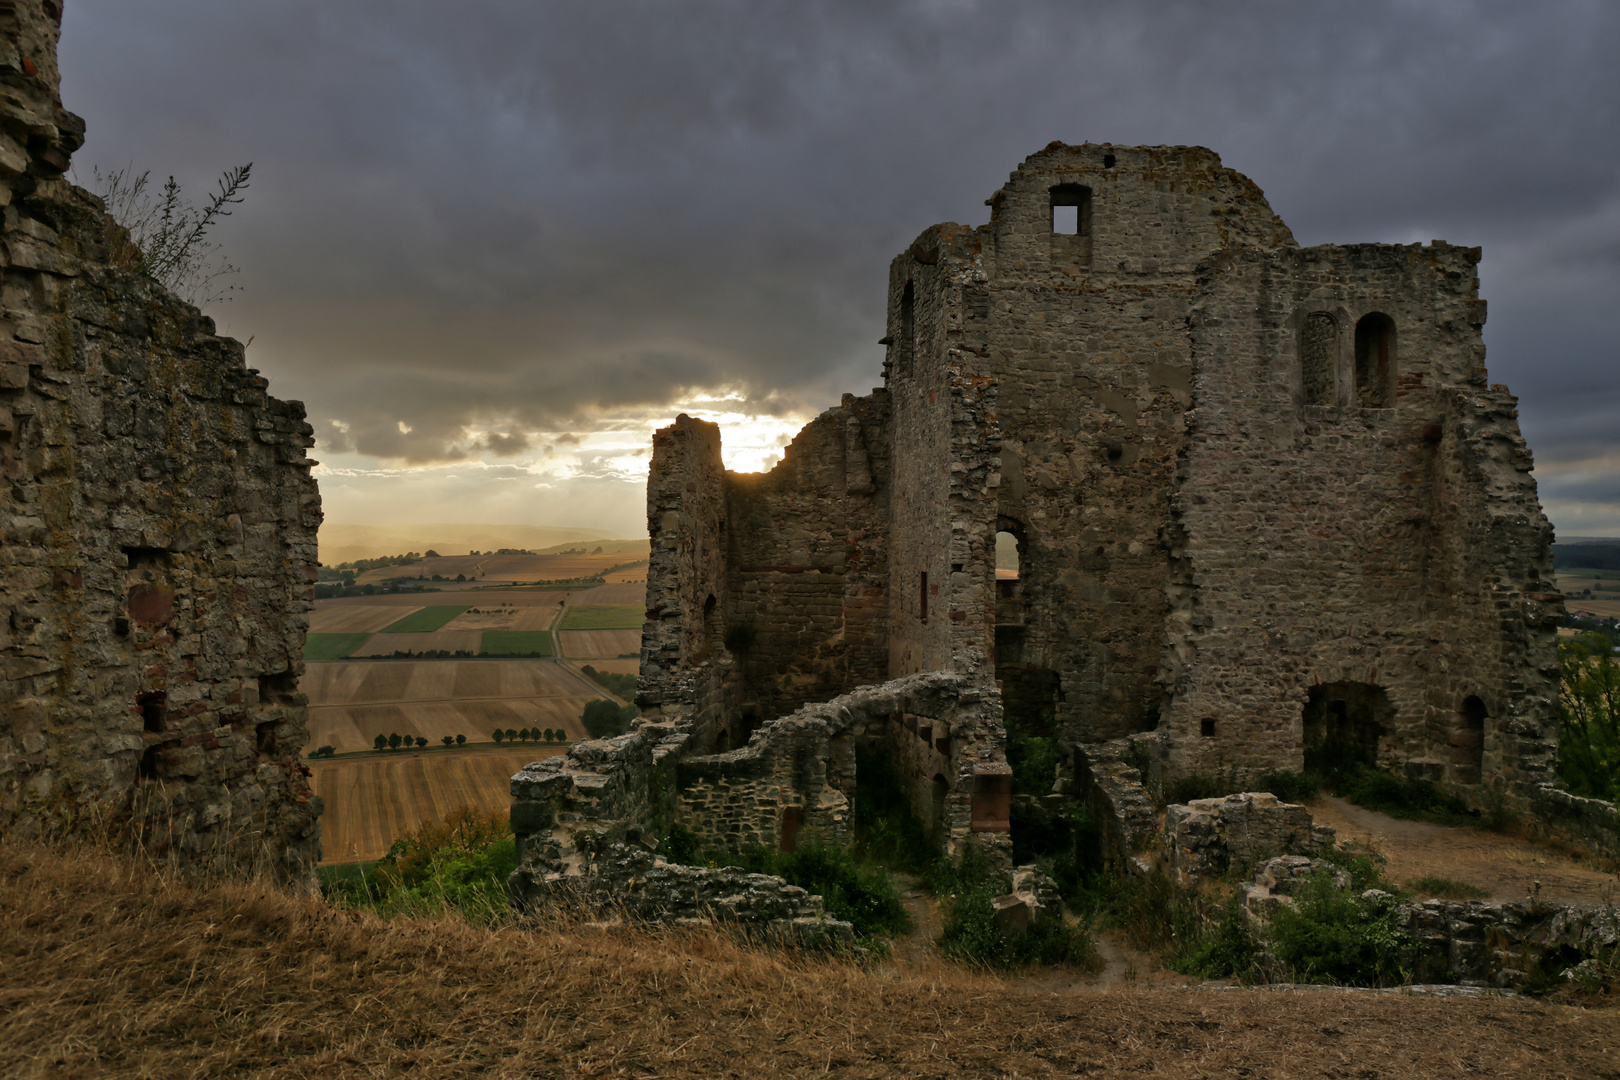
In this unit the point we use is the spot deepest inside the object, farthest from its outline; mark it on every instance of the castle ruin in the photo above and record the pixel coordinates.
(1268, 512)
(157, 525)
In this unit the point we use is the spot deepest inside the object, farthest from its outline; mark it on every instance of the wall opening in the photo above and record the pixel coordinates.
(908, 330)
(1375, 361)
(1319, 359)
(264, 738)
(1343, 722)
(1071, 210)
(922, 597)
(1467, 740)
(154, 711)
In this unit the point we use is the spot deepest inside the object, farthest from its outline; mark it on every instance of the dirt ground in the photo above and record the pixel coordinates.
(1504, 866)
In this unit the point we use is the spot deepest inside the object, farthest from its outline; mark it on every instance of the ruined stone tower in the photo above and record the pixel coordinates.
(1266, 505)
(157, 526)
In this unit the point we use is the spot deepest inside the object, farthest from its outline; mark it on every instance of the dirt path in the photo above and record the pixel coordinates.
(1502, 865)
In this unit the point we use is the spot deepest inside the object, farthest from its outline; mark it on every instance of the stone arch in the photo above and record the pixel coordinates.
(1375, 361)
(1343, 723)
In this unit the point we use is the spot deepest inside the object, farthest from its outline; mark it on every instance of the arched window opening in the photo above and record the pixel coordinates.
(1375, 361)
(1319, 359)
(1467, 741)
(908, 330)
(1010, 614)
(1343, 722)
(1071, 210)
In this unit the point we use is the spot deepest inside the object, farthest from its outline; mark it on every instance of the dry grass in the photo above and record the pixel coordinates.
(348, 617)
(607, 644)
(114, 971)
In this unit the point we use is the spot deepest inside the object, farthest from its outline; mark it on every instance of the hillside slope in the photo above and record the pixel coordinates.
(112, 972)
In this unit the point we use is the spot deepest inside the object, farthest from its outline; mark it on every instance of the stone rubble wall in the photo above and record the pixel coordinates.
(630, 882)
(157, 529)
(1592, 825)
(1108, 779)
(1209, 838)
(1467, 942)
(797, 771)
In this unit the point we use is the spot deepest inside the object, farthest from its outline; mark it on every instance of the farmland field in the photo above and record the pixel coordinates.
(603, 644)
(353, 702)
(604, 617)
(517, 643)
(372, 800)
(490, 569)
(332, 646)
(424, 621)
(447, 641)
(343, 617)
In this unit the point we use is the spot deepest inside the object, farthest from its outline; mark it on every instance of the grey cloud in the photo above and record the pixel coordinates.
(516, 216)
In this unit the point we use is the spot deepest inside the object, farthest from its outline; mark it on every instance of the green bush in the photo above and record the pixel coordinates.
(680, 846)
(859, 893)
(1589, 718)
(1402, 797)
(604, 719)
(1329, 935)
(1446, 888)
(968, 888)
(1034, 762)
(459, 864)
(1226, 952)
(622, 684)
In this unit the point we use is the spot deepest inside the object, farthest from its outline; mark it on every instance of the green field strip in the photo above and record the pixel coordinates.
(424, 621)
(517, 643)
(332, 646)
(604, 617)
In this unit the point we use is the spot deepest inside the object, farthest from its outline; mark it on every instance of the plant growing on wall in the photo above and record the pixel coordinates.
(163, 237)
(1589, 717)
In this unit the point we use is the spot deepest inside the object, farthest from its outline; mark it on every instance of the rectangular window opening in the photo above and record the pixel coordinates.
(922, 608)
(1066, 219)
(154, 711)
(1206, 728)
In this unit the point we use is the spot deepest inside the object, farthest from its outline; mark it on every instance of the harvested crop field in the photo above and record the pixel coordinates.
(490, 569)
(372, 800)
(602, 644)
(141, 975)
(333, 646)
(628, 592)
(528, 617)
(424, 620)
(352, 703)
(346, 617)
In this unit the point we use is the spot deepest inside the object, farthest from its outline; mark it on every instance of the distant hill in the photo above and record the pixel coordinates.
(345, 543)
(1587, 552)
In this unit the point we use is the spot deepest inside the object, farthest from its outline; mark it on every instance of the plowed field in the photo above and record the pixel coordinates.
(388, 644)
(372, 800)
(604, 644)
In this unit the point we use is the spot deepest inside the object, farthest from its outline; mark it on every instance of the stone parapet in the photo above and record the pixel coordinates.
(1210, 838)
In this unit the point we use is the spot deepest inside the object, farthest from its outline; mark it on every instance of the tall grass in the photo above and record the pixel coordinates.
(1589, 718)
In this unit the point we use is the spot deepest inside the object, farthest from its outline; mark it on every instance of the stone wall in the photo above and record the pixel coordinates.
(157, 528)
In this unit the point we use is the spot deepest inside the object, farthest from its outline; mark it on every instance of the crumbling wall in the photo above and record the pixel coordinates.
(158, 521)
(1388, 540)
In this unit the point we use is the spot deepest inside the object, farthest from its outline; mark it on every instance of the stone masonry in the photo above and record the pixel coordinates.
(1269, 510)
(157, 527)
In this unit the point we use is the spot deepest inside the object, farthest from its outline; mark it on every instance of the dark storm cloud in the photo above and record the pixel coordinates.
(510, 217)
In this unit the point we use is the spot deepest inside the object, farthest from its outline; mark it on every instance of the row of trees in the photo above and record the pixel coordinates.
(527, 734)
(396, 741)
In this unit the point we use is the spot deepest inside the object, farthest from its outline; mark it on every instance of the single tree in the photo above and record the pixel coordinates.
(448, 740)
(499, 735)
(460, 740)
(511, 735)
(394, 740)
(421, 741)
(380, 742)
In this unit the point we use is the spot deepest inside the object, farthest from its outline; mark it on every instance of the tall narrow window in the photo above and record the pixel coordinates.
(1319, 359)
(1071, 210)
(1375, 361)
(908, 329)
(922, 604)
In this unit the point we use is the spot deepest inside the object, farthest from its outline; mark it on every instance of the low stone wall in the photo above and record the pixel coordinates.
(1590, 824)
(1116, 793)
(629, 881)
(1212, 837)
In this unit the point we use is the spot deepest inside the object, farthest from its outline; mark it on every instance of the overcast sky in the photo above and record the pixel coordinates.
(491, 244)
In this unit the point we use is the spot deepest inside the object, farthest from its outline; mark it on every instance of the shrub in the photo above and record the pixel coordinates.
(1034, 762)
(624, 685)
(1338, 936)
(324, 751)
(680, 846)
(604, 719)
(461, 863)
(1589, 718)
(973, 934)
(859, 893)
(1402, 797)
